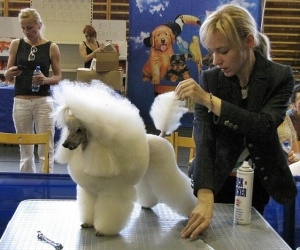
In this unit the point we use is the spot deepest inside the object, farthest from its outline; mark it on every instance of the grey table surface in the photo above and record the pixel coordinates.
(157, 228)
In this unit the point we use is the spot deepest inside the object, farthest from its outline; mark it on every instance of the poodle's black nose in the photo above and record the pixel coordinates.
(69, 146)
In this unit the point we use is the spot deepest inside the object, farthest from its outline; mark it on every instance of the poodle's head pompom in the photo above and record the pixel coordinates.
(97, 125)
(99, 108)
(166, 112)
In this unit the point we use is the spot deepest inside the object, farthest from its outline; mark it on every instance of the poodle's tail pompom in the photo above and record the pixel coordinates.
(166, 112)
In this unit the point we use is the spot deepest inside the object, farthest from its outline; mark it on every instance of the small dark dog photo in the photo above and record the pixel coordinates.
(179, 70)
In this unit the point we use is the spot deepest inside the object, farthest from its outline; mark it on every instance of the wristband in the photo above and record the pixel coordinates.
(211, 102)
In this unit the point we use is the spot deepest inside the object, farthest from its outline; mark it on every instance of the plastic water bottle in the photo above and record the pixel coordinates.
(286, 147)
(243, 194)
(93, 64)
(36, 87)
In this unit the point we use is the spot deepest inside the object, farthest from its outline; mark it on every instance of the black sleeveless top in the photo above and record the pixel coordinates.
(88, 51)
(42, 58)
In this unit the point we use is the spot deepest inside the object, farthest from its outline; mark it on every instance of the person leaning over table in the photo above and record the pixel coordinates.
(287, 133)
(294, 112)
(238, 106)
(286, 130)
(91, 45)
(33, 110)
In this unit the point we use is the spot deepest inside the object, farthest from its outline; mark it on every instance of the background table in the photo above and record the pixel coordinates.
(157, 228)
(6, 106)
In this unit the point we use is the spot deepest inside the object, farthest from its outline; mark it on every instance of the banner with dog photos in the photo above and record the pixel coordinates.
(164, 47)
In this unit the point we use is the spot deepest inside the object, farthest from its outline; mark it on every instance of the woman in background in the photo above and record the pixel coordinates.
(89, 46)
(294, 112)
(32, 111)
(287, 132)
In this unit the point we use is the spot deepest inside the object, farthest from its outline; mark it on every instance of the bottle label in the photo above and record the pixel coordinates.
(240, 189)
(36, 87)
(243, 196)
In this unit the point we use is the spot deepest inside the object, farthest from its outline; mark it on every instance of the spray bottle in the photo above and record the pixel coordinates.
(243, 194)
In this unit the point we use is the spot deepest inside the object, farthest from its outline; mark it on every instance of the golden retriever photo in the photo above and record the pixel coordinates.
(161, 41)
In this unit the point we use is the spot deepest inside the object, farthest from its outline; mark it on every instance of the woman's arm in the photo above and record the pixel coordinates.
(55, 65)
(88, 57)
(12, 70)
(201, 216)
(84, 56)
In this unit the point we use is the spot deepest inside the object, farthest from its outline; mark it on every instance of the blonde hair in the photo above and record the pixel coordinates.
(28, 12)
(233, 22)
(32, 13)
(264, 46)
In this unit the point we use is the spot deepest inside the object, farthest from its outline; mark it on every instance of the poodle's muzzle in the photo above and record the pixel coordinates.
(75, 138)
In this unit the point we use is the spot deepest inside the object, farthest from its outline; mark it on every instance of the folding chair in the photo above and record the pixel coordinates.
(29, 139)
(170, 138)
(185, 142)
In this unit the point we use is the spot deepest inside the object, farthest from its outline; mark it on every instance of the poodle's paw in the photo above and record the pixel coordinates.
(144, 207)
(86, 225)
(99, 234)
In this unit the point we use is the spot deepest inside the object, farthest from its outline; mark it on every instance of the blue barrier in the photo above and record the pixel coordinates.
(16, 187)
(286, 219)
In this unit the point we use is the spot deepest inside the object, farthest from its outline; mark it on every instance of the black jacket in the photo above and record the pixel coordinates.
(220, 140)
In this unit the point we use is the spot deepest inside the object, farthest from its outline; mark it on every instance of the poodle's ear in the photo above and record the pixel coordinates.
(147, 41)
(61, 114)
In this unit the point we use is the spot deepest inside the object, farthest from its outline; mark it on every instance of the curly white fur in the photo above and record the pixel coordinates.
(113, 161)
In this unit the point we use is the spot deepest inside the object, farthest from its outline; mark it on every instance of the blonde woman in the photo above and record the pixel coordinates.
(238, 106)
(32, 111)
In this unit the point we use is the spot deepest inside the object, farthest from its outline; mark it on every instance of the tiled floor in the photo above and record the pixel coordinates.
(9, 160)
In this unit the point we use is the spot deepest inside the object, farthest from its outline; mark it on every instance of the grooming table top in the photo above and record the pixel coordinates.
(157, 228)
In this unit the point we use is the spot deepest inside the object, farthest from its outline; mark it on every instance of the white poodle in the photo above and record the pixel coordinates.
(112, 159)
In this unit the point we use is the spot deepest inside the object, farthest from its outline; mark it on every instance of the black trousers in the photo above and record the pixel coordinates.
(260, 197)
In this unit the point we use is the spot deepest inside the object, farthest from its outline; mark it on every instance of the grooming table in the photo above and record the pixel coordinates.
(157, 228)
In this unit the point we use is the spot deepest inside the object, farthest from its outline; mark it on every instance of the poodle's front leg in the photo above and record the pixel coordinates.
(86, 202)
(113, 210)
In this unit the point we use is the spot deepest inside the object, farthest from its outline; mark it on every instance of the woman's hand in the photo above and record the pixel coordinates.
(39, 79)
(100, 49)
(201, 215)
(189, 88)
(12, 72)
(292, 157)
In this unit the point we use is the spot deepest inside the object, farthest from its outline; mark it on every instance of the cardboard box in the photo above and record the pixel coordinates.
(109, 47)
(113, 79)
(107, 61)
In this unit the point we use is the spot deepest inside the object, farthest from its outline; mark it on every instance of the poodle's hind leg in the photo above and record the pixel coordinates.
(145, 196)
(167, 181)
(113, 210)
(86, 202)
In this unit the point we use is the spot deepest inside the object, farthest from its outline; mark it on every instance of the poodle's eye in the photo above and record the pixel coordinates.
(79, 130)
